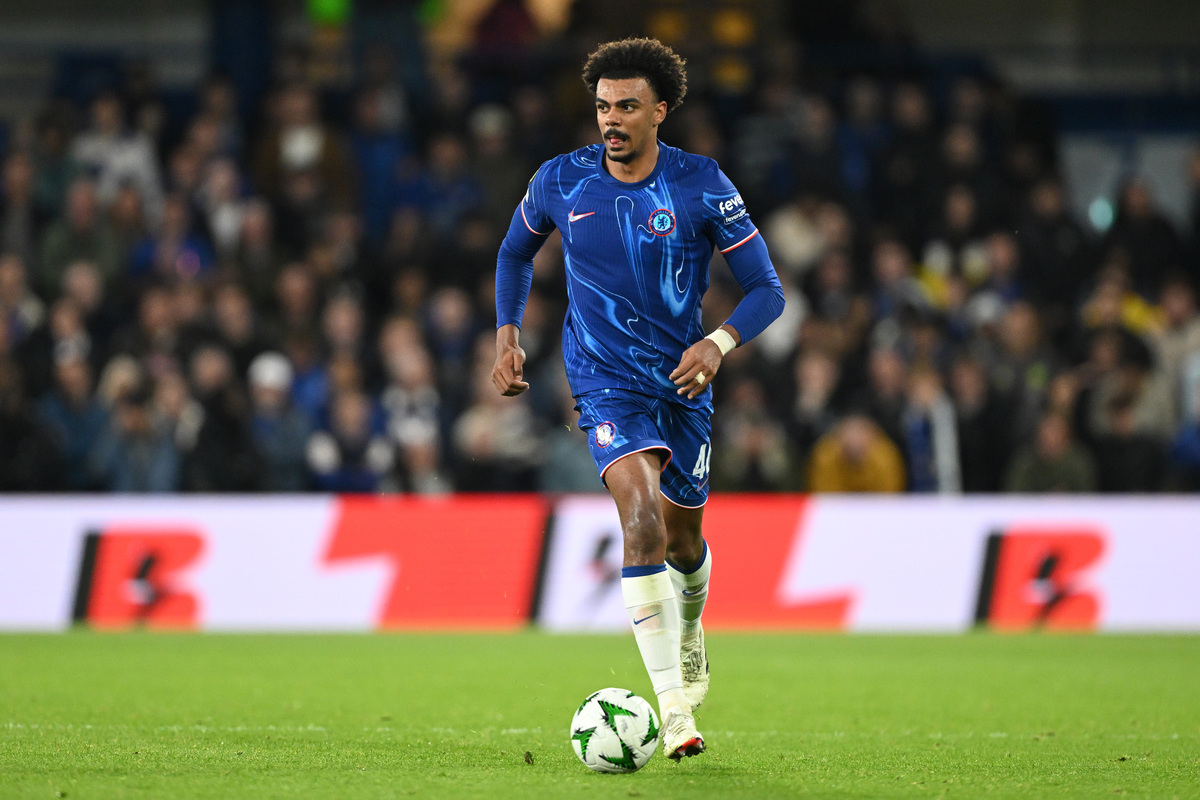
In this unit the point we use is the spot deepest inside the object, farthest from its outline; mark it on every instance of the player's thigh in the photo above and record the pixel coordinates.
(619, 424)
(633, 483)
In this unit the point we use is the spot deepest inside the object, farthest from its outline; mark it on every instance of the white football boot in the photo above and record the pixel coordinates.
(680, 737)
(693, 662)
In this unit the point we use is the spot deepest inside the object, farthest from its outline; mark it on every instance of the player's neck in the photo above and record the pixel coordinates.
(637, 170)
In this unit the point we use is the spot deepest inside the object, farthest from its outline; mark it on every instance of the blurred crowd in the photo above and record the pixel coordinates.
(298, 298)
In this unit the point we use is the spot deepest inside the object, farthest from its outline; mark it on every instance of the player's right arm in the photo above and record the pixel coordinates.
(514, 275)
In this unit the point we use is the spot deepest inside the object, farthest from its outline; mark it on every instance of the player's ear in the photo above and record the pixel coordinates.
(660, 112)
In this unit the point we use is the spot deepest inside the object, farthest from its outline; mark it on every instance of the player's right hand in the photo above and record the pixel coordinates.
(509, 369)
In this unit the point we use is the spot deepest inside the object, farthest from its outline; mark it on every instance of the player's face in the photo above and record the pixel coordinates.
(628, 115)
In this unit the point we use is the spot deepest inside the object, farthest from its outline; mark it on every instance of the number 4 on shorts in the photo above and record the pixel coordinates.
(701, 468)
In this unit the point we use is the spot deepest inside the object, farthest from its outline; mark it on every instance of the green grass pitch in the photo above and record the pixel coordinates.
(144, 715)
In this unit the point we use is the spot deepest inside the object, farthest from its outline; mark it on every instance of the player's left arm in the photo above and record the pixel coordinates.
(746, 253)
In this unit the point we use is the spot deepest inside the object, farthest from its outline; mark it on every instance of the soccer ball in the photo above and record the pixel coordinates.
(614, 730)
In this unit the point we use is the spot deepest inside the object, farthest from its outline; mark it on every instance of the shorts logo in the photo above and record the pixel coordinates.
(605, 433)
(662, 222)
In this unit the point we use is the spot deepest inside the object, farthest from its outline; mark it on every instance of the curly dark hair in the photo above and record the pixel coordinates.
(661, 66)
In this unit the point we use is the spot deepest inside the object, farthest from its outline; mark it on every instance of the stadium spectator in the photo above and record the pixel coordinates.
(54, 168)
(114, 154)
(567, 465)
(21, 311)
(1183, 470)
(954, 245)
(81, 234)
(930, 435)
(22, 220)
(256, 261)
(1055, 250)
(280, 431)
(349, 456)
(1178, 339)
(220, 203)
(224, 457)
(814, 161)
(1022, 365)
(1053, 462)
(445, 190)
(153, 338)
(64, 332)
(896, 288)
(1127, 458)
(1136, 378)
(177, 410)
(450, 330)
(136, 454)
(902, 194)
(496, 442)
(883, 397)
(813, 412)
(218, 103)
(236, 325)
(127, 217)
(29, 460)
(75, 418)
(296, 303)
(750, 450)
(983, 429)
(379, 150)
(297, 142)
(856, 456)
(175, 253)
(862, 136)
(415, 418)
(501, 177)
(1145, 237)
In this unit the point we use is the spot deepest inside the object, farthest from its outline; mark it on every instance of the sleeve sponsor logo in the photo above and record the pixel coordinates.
(732, 209)
(727, 206)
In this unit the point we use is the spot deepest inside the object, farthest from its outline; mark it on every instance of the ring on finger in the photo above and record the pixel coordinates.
(700, 378)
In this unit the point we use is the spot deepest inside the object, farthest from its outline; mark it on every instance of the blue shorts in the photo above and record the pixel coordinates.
(619, 422)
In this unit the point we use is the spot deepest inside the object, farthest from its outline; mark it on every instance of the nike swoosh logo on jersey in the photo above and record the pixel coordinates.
(643, 619)
(573, 217)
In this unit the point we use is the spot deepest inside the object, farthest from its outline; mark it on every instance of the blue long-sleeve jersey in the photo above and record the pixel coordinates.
(637, 258)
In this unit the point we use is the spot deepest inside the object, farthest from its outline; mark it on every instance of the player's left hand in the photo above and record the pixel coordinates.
(697, 368)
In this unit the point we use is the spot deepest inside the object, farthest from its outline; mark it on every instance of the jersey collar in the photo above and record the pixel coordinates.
(664, 152)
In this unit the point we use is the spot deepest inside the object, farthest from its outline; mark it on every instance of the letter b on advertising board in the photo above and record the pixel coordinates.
(131, 577)
(1038, 578)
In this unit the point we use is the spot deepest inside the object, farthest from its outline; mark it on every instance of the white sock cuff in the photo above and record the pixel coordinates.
(697, 575)
(646, 588)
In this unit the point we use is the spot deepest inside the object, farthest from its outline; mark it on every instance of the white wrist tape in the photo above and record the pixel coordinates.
(723, 340)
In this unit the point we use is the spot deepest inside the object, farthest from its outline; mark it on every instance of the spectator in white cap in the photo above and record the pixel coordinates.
(280, 430)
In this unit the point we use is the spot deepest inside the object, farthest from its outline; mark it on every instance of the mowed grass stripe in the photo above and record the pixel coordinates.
(453, 715)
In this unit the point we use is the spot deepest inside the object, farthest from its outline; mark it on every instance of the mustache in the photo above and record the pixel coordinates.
(613, 133)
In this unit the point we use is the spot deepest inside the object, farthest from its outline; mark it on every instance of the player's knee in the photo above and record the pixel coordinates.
(645, 534)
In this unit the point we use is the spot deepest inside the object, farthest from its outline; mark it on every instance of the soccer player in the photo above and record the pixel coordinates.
(639, 222)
